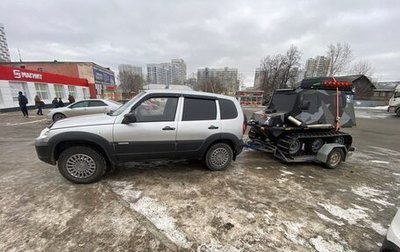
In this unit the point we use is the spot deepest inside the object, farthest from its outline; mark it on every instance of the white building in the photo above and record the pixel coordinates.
(4, 52)
(317, 67)
(226, 76)
(32, 83)
(173, 73)
(178, 71)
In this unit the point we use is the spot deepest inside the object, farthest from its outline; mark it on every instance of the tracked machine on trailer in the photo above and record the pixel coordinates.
(303, 124)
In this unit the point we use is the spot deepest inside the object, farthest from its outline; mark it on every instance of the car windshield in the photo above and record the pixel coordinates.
(121, 109)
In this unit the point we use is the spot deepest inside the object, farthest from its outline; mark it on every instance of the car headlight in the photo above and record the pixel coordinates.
(44, 133)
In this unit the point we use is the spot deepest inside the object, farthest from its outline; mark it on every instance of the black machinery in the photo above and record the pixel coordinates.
(303, 124)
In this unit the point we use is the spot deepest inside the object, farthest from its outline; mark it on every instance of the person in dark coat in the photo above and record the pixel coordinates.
(71, 99)
(39, 105)
(22, 101)
(60, 103)
(55, 102)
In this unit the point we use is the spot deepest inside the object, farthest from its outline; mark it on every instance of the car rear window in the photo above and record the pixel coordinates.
(199, 109)
(228, 109)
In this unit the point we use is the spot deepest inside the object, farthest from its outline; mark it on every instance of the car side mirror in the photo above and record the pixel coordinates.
(305, 105)
(129, 118)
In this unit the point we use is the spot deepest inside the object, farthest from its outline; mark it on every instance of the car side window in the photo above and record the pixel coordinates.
(199, 109)
(81, 104)
(228, 109)
(157, 109)
(97, 104)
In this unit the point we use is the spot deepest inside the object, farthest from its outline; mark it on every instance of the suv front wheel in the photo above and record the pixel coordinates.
(218, 157)
(81, 165)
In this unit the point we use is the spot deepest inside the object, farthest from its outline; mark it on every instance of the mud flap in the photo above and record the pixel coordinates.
(323, 153)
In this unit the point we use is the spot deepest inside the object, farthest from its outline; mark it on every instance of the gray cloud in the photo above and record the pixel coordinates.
(203, 33)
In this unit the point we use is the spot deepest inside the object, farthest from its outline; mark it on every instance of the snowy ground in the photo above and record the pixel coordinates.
(258, 204)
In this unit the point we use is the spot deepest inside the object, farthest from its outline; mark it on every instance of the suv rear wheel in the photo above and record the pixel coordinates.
(81, 165)
(218, 157)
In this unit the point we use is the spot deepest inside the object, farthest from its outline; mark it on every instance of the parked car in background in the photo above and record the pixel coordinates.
(83, 107)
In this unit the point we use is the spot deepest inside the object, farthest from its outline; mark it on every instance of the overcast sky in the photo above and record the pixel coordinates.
(203, 33)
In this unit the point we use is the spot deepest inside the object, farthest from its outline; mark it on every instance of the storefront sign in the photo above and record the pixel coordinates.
(103, 77)
(18, 74)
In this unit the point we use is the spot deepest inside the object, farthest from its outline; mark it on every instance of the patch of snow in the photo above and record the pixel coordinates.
(154, 211)
(351, 215)
(282, 180)
(374, 108)
(367, 192)
(325, 218)
(386, 151)
(322, 245)
(382, 202)
(293, 231)
(259, 168)
(215, 245)
(23, 123)
(379, 162)
(377, 227)
(396, 174)
(286, 173)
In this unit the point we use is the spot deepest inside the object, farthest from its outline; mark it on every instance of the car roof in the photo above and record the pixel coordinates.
(189, 92)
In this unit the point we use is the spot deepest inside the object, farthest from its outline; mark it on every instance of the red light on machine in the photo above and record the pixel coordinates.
(337, 84)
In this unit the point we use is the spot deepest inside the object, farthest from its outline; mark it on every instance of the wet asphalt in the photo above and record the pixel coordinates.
(257, 204)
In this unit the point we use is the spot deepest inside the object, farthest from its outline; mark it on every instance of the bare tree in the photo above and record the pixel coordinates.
(277, 70)
(362, 67)
(130, 82)
(212, 85)
(340, 56)
(293, 57)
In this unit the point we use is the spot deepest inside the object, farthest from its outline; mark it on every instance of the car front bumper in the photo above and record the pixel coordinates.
(43, 152)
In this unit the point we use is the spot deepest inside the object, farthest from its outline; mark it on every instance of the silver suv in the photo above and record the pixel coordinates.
(155, 124)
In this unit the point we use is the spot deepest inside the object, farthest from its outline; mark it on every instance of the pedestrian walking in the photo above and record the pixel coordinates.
(55, 102)
(23, 101)
(71, 99)
(60, 103)
(39, 105)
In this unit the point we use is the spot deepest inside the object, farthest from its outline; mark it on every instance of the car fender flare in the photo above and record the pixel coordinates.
(81, 138)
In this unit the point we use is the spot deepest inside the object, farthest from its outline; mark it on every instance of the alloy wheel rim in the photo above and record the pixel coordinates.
(219, 157)
(81, 166)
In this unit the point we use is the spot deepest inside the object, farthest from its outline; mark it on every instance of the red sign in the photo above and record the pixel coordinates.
(18, 74)
(110, 88)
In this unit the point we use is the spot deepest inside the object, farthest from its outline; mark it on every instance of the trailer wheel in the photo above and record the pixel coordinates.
(295, 146)
(334, 159)
(314, 145)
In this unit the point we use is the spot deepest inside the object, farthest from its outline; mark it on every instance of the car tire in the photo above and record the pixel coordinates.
(398, 112)
(58, 116)
(334, 159)
(218, 157)
(81, 165)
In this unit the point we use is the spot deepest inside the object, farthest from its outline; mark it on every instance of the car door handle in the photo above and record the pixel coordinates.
(168, 128)
(213, 127)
